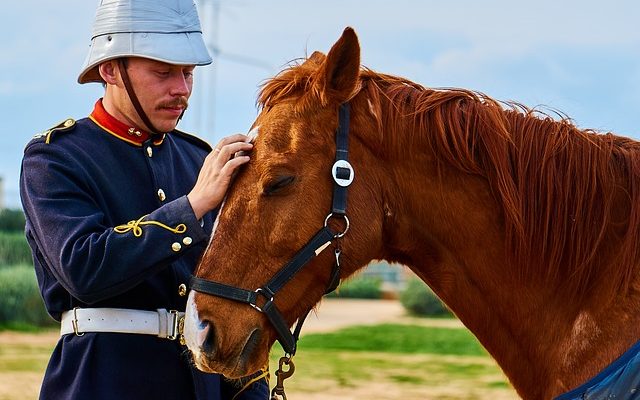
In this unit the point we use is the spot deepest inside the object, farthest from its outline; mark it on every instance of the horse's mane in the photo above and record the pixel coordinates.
(567, 194)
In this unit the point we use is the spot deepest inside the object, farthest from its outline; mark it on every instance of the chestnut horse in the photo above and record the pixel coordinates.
(524, 225)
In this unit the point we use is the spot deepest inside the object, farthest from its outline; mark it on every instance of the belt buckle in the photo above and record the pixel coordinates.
(175, 321)
(74, 323)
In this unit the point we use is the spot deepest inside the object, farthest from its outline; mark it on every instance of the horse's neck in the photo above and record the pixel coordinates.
(449, 229)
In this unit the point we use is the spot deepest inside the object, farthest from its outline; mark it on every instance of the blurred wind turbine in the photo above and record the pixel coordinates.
(206, 111)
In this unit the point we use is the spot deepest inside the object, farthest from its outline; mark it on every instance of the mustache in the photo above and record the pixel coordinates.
(177, 102)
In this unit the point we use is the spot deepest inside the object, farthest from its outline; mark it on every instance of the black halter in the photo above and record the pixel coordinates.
(343, 176)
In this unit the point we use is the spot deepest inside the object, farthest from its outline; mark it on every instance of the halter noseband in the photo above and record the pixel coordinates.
(343, 174)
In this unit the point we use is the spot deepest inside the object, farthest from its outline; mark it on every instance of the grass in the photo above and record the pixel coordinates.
(14, 249)
(24, 327)
(397, 338)
(419, 362)
(23, 359)
(388, 361)
(346, 374)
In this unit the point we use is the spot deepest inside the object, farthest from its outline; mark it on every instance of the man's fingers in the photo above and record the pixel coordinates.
(227, 151)
(238, 137)
(232, 165)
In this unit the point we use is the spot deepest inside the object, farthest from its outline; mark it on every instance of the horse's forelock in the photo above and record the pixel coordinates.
(295, 81)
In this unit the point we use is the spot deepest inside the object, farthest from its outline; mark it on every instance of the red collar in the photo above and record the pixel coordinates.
(128, 133)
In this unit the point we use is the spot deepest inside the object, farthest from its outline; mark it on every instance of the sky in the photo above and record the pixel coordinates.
(581, 58)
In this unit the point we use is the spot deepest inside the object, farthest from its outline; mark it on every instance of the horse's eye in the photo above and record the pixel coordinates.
(278, 184)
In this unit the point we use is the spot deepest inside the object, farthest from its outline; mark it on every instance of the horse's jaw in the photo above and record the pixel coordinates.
(205, 339)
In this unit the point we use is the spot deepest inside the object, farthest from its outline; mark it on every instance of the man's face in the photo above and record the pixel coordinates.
(162, 89)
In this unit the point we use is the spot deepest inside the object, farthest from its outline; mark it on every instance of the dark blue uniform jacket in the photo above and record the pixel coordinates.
(81, 184)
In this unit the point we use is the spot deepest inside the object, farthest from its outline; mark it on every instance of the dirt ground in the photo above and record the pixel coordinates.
(22, 360)
(332, 314)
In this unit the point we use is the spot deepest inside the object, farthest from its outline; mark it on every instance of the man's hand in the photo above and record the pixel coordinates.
(216, 173)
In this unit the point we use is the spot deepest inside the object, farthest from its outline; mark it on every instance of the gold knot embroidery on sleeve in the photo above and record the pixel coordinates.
(135, 226)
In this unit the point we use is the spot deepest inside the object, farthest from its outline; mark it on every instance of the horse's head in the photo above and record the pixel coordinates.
(277, 204)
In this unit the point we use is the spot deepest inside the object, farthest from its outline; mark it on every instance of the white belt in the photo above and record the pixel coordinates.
(161, 323)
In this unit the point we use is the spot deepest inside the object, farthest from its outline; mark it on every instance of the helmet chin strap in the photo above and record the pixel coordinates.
(122, 66)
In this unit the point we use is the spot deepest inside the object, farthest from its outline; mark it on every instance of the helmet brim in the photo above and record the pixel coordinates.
(185, 48)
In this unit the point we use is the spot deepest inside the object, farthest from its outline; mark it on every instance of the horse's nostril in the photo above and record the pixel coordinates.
(209, 342)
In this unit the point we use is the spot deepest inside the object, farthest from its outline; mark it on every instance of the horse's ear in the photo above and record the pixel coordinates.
(317, 58)
(338, 78)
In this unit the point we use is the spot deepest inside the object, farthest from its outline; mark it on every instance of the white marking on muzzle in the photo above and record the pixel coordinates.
(191, 327)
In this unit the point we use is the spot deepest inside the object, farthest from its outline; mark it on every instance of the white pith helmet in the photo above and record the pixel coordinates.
(162, 30)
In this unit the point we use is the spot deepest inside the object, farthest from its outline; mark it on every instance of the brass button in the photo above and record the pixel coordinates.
(69, 122)
(161, 195)
(187, 241)
(176, 246)
(149, 151)
(182, 289)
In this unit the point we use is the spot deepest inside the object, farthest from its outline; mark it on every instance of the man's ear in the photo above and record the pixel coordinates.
(109, 71)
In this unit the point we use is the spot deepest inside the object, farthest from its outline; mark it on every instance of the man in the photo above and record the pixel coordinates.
(119, 208)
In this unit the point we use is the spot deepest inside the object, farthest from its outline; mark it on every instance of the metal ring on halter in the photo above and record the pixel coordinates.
(346, 228)
(261, 291)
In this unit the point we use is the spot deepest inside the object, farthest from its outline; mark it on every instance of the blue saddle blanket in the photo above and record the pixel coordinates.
(620, 380)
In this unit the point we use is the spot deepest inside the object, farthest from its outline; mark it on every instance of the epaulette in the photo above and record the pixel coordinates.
(63, 126)
(193, 139)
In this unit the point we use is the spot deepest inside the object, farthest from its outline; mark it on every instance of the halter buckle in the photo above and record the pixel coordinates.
(267, 295)
(342, 173)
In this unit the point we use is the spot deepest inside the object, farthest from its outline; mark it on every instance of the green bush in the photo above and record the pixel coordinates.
(11, 220)
(361, 287)
(14, 249)
(418, 299)
(20, 300)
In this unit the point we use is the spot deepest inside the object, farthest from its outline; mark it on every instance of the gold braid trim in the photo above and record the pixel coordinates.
(264, 374)
(136, 227)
